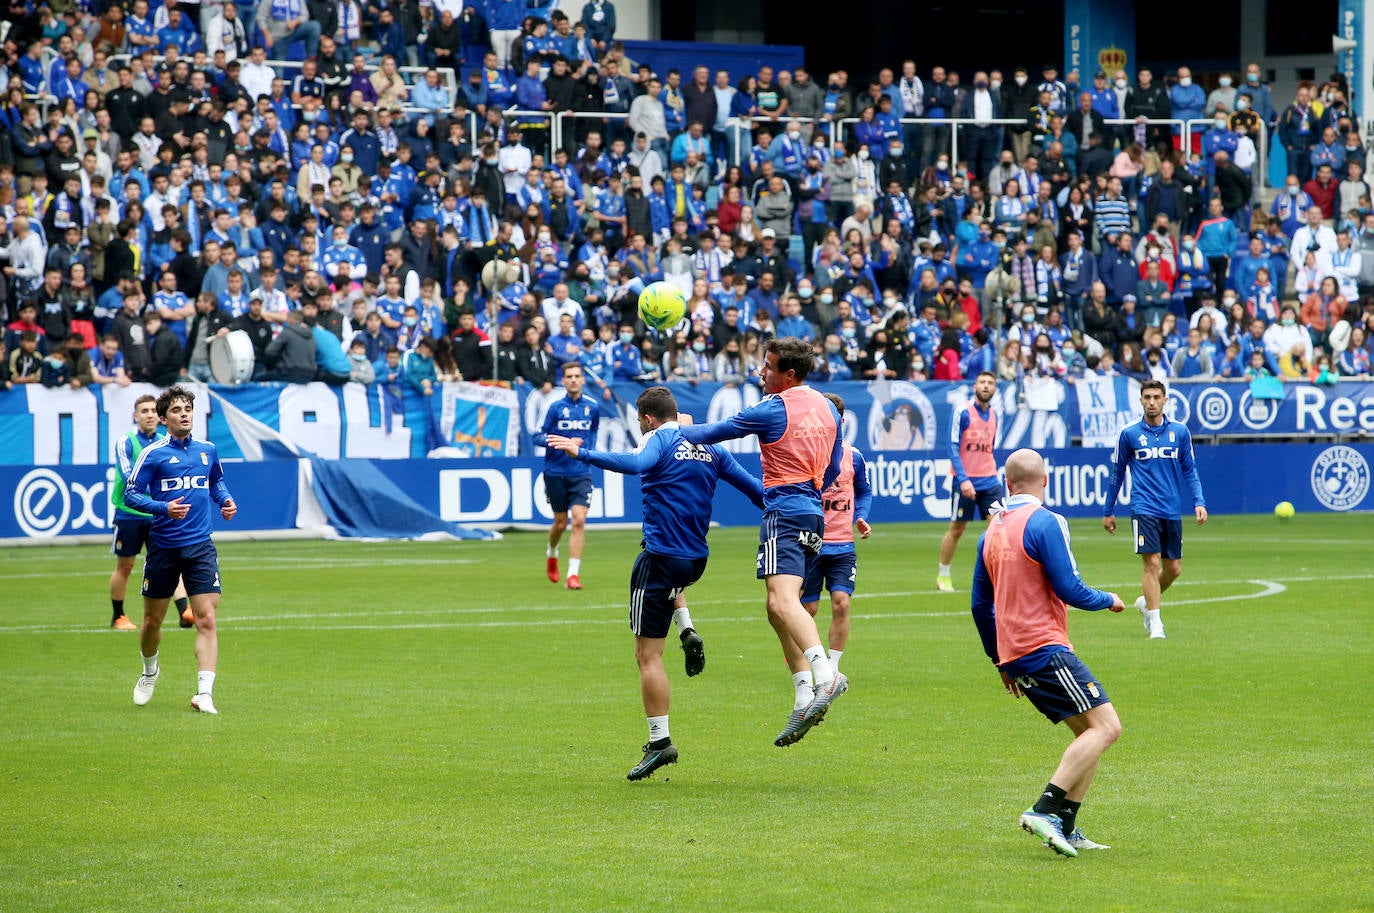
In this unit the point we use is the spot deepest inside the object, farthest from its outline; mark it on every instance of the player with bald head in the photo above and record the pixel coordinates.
(1024, 579)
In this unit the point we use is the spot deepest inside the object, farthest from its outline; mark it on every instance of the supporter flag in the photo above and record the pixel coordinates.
(1105, 406)
(477, 420)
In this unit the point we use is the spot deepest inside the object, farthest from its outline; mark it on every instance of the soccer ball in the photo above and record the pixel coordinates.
(662, 305)
(1284, 510)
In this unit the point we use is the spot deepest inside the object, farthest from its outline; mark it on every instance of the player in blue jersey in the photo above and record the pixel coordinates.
(568, 482)
(131, 528)
(1159, 453)
(846, 503)
(677, 482)
(973, 470)
(1024, 579)
(801, 449)
(179, 482)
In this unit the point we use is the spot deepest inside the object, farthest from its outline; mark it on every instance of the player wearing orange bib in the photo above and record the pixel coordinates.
(1024, 579)
(975, 483)
(799, 441)
(846, 503)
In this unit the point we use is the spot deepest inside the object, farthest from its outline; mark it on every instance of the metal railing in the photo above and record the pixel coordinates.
(1259, 173)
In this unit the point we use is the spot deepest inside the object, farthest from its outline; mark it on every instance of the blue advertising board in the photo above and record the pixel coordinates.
(53, 501)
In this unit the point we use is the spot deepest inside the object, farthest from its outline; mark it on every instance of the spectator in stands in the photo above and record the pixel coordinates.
(288, 21)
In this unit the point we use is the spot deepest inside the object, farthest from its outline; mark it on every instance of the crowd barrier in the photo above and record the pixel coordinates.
(54, 502)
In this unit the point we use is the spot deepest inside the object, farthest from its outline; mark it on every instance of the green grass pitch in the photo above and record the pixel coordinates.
(436, 727)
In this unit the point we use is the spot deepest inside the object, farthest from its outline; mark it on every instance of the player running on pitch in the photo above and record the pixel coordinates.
(568, 483)
(1159, 453)
(177, 480)
(846, 503)
(677, 482)
(1024, 578)
(799, 438)
(131, 528)
(974, 469)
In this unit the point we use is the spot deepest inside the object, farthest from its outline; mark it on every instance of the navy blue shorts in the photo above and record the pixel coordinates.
(836, 572)
(961, 508)
(655, 582)
(788, 545)
(130, 535)
(1158, 535)
(565, 491)
(1062, 688)
(197, 565)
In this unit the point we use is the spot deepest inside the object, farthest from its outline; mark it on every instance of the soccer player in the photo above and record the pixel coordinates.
(568, 482)
(846, 503)
(678, 480)
(1024, 578)
(177, 479)
(799, 439)
(1159, 453)
(975, 471)
(131, 527)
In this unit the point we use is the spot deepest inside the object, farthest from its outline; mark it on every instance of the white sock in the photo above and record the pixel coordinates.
(658, 728)
(835, 658)
(821, 670)
(944, 570)
(551, 552)
(205, 683)
(1152, 617)
(574, 565)
(150, 664)
(805, 689)
(682, 618)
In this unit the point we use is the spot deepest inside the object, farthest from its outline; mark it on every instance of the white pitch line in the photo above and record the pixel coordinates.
(1269, 588)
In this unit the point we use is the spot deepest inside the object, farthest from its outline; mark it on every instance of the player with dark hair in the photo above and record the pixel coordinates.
(131, 527)
(1159, 453)
(799, 439)
(846, 503)
(677, 482)
(974, 470)
(1024, 579)
(177, 480)
(568, 482)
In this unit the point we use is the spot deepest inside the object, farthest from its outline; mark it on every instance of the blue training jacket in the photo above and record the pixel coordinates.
(1160, 458)
(171, 468)
(678, 480)
(569, 418)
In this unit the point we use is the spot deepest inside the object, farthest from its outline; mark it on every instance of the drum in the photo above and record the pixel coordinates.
(231, 358)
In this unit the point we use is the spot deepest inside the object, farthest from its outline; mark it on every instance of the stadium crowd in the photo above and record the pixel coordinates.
(168, 177)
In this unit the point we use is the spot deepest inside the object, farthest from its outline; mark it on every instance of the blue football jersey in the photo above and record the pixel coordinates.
(171, 468)
(569, 418)
(1164, 475)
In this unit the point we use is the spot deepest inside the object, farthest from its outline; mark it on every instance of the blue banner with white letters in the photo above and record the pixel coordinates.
(79, 427)
(48, 502)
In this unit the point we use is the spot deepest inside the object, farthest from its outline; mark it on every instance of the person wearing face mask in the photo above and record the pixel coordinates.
(1147, 99)
(1287, 338)
(983, 137)
(1290, 206)
(1186, 101)
(1018, 98)
(1223, 97)
(343, 263)
(1218, 138)
(1257, 96)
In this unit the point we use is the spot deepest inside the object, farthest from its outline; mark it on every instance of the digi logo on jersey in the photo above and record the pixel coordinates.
(574, 424)
(839, 505)
(186, 483)
(1156, 453)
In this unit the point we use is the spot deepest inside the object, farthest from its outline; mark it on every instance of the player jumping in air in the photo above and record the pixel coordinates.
(178, 480)
(846, 503)
(974, 470)
(799, 438)
(677, 482)
(1159, 453)
(568, 482)
(131, 528)
(1024, 578)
